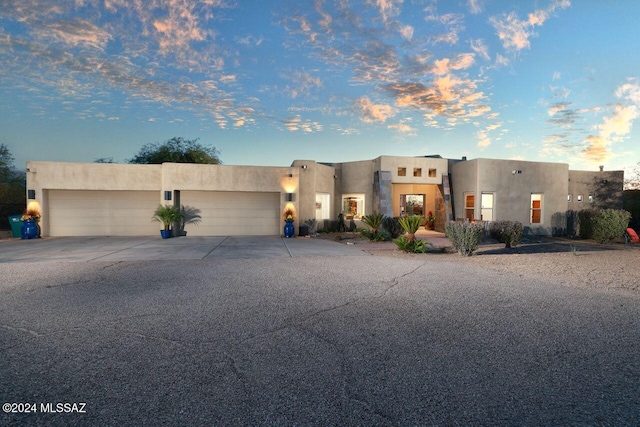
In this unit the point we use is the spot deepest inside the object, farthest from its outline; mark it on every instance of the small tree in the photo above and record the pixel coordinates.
(177, 150)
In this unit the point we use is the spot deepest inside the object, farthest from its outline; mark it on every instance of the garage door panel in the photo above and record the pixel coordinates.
(234, 213)
(102, 213)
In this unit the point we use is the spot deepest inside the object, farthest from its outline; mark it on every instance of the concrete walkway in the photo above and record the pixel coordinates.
(155, 248)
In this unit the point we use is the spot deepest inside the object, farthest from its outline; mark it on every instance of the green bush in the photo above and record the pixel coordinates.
(392, 226)
(585, 221)
(375, 236)
(464, 236)
(412, 246)
(609, 225)
(507, 232)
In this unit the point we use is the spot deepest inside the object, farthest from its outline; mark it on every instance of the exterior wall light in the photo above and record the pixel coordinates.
(303, 166)
(31, 194)
(289, 197)
(167, 195)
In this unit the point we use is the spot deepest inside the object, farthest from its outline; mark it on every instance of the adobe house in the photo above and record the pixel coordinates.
(88, 199)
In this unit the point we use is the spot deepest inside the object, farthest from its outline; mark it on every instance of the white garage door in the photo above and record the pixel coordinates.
(234, 214)
(103, 213)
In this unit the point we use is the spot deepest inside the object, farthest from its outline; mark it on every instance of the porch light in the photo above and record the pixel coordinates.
(167, 195)
(31, 194)
(289, 197)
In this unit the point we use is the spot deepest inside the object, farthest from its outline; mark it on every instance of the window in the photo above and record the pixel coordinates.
(580, 198)
(402, 171)
(469, 206)
(569, 198)
(353, 206)
(417, 172)
(432, 173)
(590, 198)
(412, 204)
(536, 209)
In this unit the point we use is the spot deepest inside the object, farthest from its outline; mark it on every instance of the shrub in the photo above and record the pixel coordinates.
(373, 221)
(375, 236)
(585, 223)
(412, 246)
(609, 224)
(507, 232)
(464, 236)
(392, 226)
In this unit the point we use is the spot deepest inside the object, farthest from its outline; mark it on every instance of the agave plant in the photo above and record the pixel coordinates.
(410, 225)
(373, 221)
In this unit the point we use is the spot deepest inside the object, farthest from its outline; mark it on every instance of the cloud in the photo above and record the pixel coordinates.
(515, 33)
(474, 6)
(460, 62)
(407, 32)
(483, 139)
(403, 128)
(370, 112)
(296, 123)
(480, 48)
(303, 83)
(76, 32)
(614, 126)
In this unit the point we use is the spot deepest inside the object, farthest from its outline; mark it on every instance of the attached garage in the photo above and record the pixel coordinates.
(102, 213)
(234, 213)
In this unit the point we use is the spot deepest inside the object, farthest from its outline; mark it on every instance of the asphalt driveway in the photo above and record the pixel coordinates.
(309, 340)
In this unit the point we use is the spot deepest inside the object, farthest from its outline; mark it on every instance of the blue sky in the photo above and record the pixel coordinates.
(267, 82)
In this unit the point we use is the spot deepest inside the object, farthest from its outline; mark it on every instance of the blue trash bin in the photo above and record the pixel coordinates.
(16, 225)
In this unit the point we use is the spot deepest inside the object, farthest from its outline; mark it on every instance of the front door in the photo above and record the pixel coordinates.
(486, 206)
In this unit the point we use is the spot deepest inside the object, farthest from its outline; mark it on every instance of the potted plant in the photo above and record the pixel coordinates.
(430, 220)
(30, 228)
(167, 215)
(288, 216)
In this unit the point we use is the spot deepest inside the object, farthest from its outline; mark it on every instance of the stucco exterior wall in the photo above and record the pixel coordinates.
(464, 179)
(357, 178)
(392, 163)
(512, 182)
(605, 187)
(314, 178)
(92, 176)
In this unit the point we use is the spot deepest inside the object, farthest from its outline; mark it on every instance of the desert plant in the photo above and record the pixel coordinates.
(167, 215)
(412, 246)
(392, 226)
(609, 225)
(507, 232)
(410, 225)
(373, 221)
(464, 236)
(375, 236)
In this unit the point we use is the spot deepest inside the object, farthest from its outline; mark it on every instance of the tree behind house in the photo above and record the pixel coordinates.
(176, 150)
